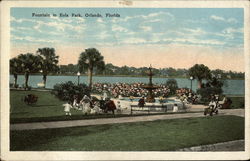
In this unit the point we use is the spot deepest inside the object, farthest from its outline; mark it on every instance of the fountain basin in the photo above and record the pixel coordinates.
(167, 105)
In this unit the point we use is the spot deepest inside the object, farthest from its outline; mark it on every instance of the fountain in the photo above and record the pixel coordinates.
(150, 87)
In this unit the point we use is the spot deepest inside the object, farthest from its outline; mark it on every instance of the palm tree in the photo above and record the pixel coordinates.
(89, 59)
(15, 69)
(49, 62)
(200, 72)
(30, 64)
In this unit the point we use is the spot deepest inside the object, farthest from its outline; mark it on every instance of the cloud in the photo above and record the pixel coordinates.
(218, 18)
(147, 18)
(134, 41)
(197, 31)
(146, 28)
(31, 39)
(103, 35)
(13, 19)
(158, 14)
(19, 29)
(100, 20)
(60, 26)
(199, 21)
(152, 21)
(194, 41)
(119, 28)
(231, 30)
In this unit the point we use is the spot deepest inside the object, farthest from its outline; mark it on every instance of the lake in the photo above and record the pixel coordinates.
(232, 87)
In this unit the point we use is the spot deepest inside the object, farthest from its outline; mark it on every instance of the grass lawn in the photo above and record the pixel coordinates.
(47, 108)
(161, 135)
(237, 102)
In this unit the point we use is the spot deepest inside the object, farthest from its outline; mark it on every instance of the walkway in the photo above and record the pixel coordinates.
(73, 123)
(236, 145)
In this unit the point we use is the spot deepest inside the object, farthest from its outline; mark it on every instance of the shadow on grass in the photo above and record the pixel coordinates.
(34, 105)
(29, 137)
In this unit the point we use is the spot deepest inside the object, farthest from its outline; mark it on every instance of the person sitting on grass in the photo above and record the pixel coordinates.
(67, 108)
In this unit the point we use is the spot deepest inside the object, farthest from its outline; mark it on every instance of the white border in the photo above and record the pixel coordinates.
(5, 48)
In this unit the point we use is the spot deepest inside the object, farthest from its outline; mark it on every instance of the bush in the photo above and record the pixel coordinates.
(172, 85)
(212, 87)
(206, 92)
(237, 102)
(67, 91)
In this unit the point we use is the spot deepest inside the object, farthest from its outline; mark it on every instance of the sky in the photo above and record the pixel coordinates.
(163, 37)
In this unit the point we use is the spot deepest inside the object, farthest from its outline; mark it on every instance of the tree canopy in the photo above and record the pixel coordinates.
(200, 72)
(29, 64)
(49, 61)
(89, 59)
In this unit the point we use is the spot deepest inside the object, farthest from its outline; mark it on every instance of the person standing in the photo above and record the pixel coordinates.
(175, 108)
(67, 108)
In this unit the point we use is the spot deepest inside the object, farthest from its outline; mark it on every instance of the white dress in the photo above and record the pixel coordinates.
(212, 103)
(86, 108)
(175, 109)
(67, 107)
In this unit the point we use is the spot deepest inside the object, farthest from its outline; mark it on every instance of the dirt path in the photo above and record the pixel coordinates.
(73, 123)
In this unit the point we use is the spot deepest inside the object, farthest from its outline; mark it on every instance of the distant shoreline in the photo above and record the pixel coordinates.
(139, 76)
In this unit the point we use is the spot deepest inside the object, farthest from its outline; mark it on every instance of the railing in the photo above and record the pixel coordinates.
(147, 108)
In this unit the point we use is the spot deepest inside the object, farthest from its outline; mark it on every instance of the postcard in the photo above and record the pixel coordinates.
(125, 80)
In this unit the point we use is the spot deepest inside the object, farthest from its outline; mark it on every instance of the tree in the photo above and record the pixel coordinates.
(200, 72)
(89, 59)
(68, 90)
(29, 64)
(15, 69)
(172, 85)
(212, 87)
(49, 62)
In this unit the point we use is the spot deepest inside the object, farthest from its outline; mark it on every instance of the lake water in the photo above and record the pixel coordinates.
(234, 87)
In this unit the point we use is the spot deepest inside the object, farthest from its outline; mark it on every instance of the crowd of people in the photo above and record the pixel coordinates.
(88, 105)
(118, 90)
(187, 96)
(127, 90)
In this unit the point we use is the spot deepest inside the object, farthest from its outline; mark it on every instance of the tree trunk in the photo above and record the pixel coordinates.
(15, 80)
(44, 80)
(199, 83)
(90, 74)
(26, 80)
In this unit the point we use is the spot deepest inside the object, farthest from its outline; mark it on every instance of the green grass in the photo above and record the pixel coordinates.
(47, 108)
(47, 105)
(237, 102)
(161, 135)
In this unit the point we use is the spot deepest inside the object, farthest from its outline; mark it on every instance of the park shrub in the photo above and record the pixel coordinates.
(206, 92)
(211, 87)
(172, 85)
(67, 91)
